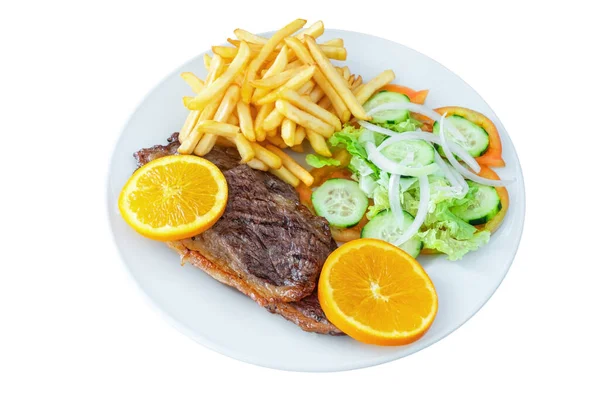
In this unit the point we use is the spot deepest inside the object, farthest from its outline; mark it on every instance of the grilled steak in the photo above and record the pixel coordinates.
(266, 244)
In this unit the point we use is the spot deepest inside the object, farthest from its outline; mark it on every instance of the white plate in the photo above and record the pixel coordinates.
(223, 319)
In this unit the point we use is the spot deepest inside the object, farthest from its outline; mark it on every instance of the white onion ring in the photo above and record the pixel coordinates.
(430, 137)
(463, 171)
(392, 167)
(419, 109)
(394, 197)
(421, 212)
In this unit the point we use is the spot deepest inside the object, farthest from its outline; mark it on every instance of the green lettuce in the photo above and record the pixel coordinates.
(317, 161)
(404, 126)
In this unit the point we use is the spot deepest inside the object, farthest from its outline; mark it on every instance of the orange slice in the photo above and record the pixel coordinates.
(376, 293)
(174, 197)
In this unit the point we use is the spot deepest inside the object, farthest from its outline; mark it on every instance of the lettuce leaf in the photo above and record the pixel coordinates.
(404, 126)
(348, 138)
(318, 161)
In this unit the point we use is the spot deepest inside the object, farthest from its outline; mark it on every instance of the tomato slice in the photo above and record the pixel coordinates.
(493, 156)
(415, 96)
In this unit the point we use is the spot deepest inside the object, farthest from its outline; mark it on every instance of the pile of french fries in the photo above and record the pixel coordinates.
(263, 95)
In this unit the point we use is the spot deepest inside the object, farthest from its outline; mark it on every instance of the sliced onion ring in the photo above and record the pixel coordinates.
(387, 165)
(394, 195)
(419, 109)
(428, 137)
(421, 212)
(463, 171)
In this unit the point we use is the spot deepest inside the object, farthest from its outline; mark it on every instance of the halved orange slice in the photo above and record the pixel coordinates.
(376, 293)
(174, 197)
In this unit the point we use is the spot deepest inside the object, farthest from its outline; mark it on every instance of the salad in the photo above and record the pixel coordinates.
(415, 177)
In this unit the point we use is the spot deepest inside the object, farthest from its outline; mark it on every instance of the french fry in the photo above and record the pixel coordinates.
(263, 112)
(307, 88)
(233, 120)
(303, 54)
(221, 83)
(374, 85)
(288, 131)
(279, 65)
(207, 60)
(315, 30)
(316, 94)
(271, 133)
(225, 51)
(312, 108)
(215, 69)
(245, 120)
(357, 82)
(274, 81)
(219, 128)
(293, 84)
(292, 166)
(244, 147)
(318, 143)
(228, 103)
(285, 175)
(276, 141)
(299, 135)
(357, 88)
(351, 81)
(246, 36)
(334, 53)
(264, 155)
(336, 80)
(255, 163)
(193, 81)
(273, 120)
(338, 42)
(294, 64)
(346, 72)
(264, 53)
(325, 103)
(303, 118)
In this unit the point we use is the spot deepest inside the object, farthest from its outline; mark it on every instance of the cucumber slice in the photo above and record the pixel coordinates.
(340, 202)
(476, 140)
(390, 116)
(411, 153)
(384, 226)
(482, 206)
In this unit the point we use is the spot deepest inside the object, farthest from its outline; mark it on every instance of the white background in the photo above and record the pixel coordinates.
(74, 327)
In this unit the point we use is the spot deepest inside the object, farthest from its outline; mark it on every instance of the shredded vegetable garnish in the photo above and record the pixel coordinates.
(387, 165)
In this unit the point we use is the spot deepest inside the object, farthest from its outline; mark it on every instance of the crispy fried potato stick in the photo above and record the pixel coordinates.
(288, 131)
(244, 35)
(334, 42)
(307, 88)
(299, 135)
(273, 120)
(285, 175)
(267, 157)
(221, 84)
(259, 130)
(278, 66)
(357, 82)
(274, 81)
(316, 94)
(293, 84)
(292, 166)
(244, 147)
(276, 141)
(264, 53)
(233, 120)
(312, 108)
(297, 148)
(193, 81)
(228, 104)
(215, 69)
(294, 64)
(374, 85)
(303, 54)
(245, 120)
(315, 30)
(318, 143)
(336, 80)
(207, 60)
(255, 163)
(303, 118)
